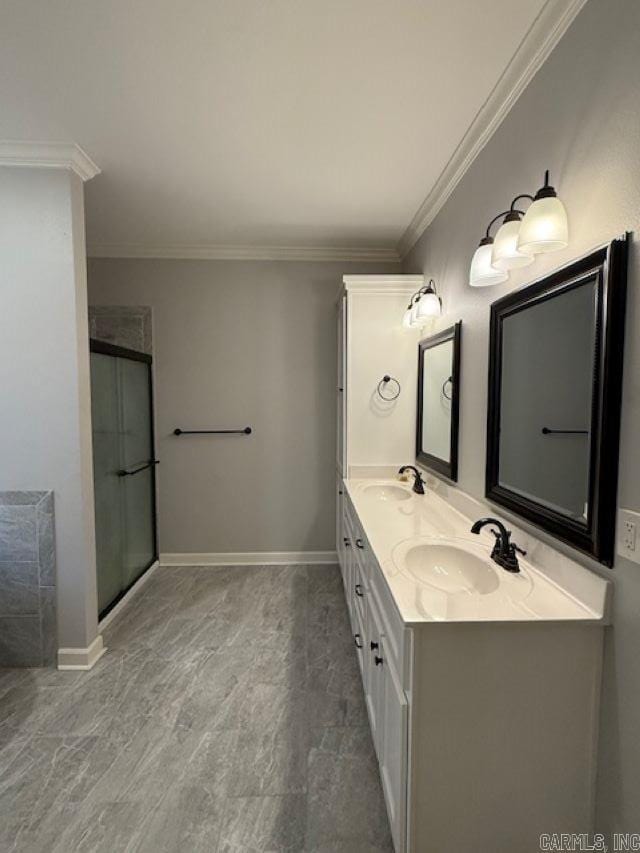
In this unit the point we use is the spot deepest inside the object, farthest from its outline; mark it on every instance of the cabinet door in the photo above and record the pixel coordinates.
(375, 676)
(340, 523)
(360, 641)
(349, 574)
(393, 757)
(341, 390)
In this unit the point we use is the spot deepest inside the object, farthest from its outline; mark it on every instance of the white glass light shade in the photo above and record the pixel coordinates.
(429, 306)
(406, 319)
(544, 227)
(505, 255)
(415, 319)
(482, 274)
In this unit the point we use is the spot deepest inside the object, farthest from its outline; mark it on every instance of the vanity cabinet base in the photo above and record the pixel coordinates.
(503, 723)
(485, 732)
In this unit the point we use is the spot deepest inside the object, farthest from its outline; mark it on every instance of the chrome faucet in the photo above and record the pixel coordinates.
(418, 482)
(504, 550)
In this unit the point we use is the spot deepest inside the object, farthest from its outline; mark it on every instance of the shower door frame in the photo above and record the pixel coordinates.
(104, 348)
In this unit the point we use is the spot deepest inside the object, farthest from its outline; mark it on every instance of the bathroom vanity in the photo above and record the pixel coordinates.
(482, 686)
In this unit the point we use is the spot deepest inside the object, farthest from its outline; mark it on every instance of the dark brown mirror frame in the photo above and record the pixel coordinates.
(597, 537)
(448, 468)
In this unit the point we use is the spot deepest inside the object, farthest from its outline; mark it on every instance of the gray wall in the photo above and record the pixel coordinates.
(45, 430)
(240, 344)
(580, 117)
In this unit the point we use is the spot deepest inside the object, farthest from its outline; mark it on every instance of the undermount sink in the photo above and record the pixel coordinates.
(450, 569)
(387, 492)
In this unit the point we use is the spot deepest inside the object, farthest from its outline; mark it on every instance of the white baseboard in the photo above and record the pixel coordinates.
(82, 658)
(131, 593)
(249, 558)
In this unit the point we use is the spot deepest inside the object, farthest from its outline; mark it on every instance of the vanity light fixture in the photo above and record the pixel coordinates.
(543, 228)
(423, 304)
(482, 273)
(406, 318)
(505, 254)
(430, 304)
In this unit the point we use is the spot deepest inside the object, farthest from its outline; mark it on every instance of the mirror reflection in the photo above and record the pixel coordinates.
(548, 360)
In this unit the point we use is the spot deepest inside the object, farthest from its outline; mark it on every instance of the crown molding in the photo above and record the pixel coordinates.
(382, 284)
(244, 253)
(49, 155)
(543, 35)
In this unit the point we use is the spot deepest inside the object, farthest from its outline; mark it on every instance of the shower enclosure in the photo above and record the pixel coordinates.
(123, 469)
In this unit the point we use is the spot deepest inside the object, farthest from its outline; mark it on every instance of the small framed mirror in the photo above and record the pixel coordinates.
(555, 381)
(438, 402)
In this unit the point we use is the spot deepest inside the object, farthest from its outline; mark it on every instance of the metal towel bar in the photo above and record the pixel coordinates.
(245, 431)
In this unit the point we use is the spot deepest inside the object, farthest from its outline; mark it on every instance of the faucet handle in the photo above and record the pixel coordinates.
(519, 549)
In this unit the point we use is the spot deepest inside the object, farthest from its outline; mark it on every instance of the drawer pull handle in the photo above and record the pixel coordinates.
(359, 544)
(359, 591)
(347, 542)
(378, 660)
(356, 637)
(374, 646)
(340, 492)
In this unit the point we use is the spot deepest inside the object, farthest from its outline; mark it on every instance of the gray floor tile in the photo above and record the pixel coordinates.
(263, 825)
(270, 764)
(227, 715)
(345, 802)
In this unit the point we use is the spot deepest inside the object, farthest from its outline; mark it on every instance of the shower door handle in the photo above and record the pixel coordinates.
(129, 473)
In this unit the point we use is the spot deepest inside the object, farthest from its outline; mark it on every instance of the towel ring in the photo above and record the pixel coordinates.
(444, 385)
(383, 384)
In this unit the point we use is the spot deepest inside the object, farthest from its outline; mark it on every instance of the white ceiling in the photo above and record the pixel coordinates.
(255, 122)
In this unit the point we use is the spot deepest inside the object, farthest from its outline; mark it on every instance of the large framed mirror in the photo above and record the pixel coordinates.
(438, 402)
(555, 381)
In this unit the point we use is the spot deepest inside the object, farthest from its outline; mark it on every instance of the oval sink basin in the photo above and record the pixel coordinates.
(387, 492)
(451, 570)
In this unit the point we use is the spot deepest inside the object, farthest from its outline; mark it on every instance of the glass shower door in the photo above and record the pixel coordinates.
(124, 469)
(137, 475)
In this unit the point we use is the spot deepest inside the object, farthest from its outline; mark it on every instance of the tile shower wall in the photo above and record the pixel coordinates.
(126, 326)
(27, 580)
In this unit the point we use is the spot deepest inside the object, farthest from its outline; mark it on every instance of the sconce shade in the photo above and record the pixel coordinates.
(406, 319)
(544, 227)
(482, 274)
(506, 255)
(415, 321)
(429, 305)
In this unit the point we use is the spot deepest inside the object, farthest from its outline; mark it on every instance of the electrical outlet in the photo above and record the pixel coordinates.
(628, 527)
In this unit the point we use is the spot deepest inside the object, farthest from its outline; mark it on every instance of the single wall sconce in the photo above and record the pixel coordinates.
(543, 228)
(423, 304)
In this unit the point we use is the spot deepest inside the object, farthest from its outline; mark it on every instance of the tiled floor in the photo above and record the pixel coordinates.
(226, 716)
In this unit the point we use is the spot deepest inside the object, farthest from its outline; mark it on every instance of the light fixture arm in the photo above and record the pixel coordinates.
(517, 198)
(487, 235)
(430, 287)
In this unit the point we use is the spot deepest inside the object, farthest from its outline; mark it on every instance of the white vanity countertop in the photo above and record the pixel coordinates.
(395, 527)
